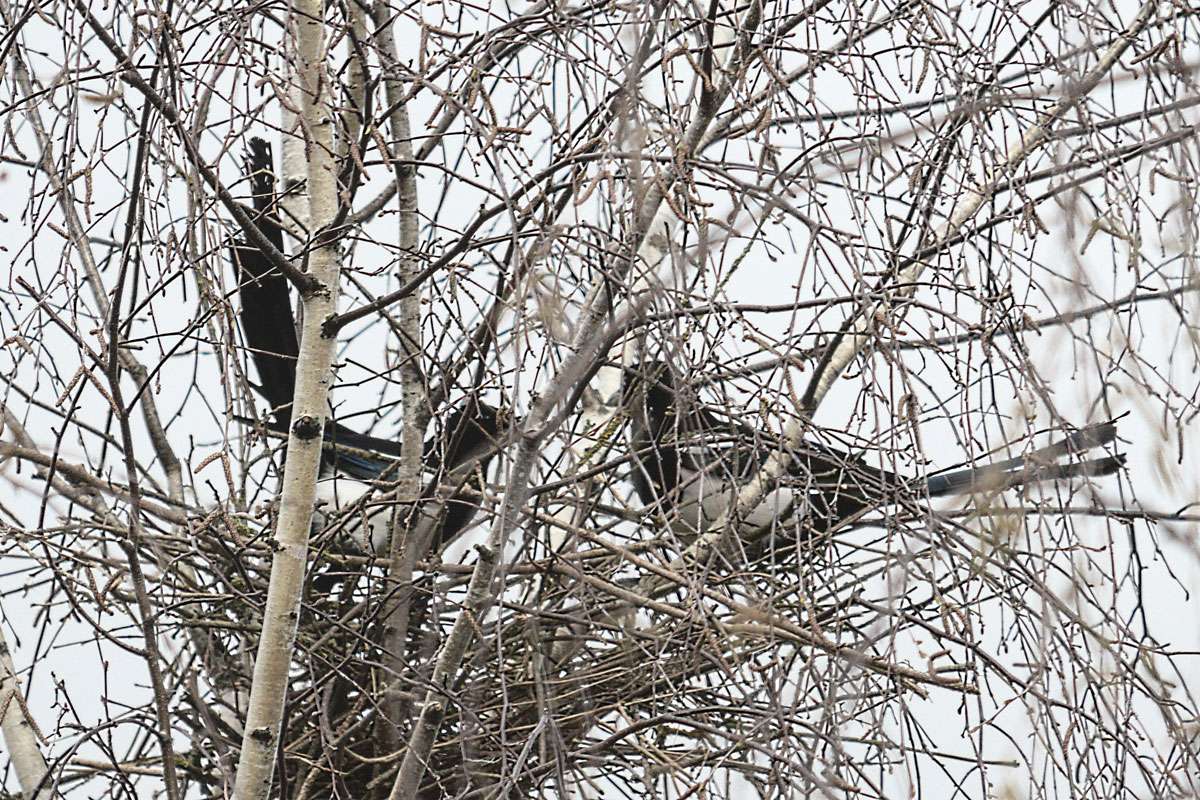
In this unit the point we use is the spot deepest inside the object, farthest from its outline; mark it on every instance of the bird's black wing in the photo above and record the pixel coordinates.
(461, 454)
(828, 483)
(657, 434)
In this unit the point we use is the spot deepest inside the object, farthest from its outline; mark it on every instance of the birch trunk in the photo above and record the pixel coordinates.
(269, 688)
(20, 736)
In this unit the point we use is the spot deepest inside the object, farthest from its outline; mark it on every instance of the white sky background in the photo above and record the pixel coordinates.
(1150, 346)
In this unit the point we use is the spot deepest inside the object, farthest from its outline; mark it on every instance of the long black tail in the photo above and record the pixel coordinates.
(270, 326)
(267, 320)
(1036, 466)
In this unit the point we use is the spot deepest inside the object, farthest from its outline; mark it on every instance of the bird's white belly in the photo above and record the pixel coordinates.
(367, 526)
(705, 500)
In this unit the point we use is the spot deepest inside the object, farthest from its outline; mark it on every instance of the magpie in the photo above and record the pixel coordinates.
(689, 464)
(352, 463)
(458, 458)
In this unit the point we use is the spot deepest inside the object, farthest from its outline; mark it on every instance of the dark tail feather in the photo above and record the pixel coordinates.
(270, 331)
(1086, 438)
(267, 320)
(1033, 468)
(1092, 468)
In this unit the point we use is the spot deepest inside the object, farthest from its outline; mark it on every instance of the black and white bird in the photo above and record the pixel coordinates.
(353, 487)
(689, 464)
(354, 466)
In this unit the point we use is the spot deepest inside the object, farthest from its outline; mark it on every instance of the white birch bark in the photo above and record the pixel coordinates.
(269, 687)
(20, 736)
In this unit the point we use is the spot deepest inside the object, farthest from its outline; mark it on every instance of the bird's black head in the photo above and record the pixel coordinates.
(488, 418)
(649, 382)
(649, 394)
(470, 431)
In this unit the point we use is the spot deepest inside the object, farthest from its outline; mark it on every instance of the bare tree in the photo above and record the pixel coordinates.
(815, 253)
